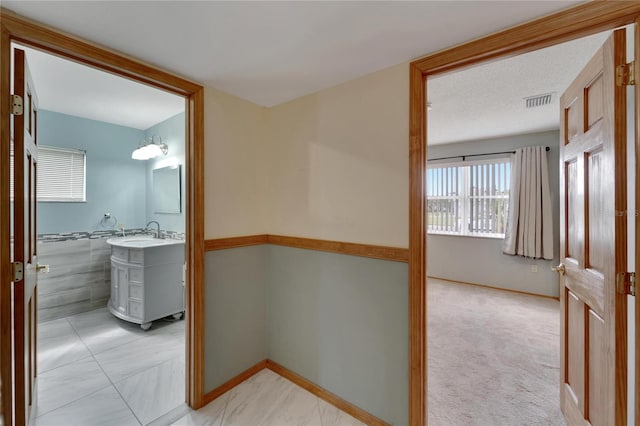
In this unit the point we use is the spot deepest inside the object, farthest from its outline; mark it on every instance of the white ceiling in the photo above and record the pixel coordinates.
(69, 88)
(488, 100)
(270, 52)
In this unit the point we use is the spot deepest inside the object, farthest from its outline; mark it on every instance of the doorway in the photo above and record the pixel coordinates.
(101, 337)
(560, 27)
(31, 34)
(479, 117)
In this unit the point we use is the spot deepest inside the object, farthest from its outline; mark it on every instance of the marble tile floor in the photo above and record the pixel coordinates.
(94, 369)
(267, 399)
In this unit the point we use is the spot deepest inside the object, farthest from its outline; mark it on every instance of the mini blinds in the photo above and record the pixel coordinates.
(61, 174)
(469, 199)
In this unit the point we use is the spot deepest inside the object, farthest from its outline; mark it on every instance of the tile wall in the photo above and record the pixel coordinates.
(79, 277)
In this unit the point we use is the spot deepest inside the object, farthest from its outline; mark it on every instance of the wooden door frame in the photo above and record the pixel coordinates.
(637, 221)
(16, 28)
(566, 25)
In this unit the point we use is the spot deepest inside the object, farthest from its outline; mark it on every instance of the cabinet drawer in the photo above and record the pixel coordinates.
(136, 275)
(120, 253)
(135, 291)
(136, 256)
(135, 309)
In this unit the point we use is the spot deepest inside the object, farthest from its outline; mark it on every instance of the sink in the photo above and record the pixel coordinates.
(147, 278)
(141, 241)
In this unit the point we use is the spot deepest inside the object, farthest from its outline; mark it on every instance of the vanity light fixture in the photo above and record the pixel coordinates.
(150, 147)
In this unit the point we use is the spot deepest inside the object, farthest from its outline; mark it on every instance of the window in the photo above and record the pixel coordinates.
(468, 199)
(61, 174)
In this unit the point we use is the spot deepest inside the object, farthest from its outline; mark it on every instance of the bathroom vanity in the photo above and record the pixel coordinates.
(147, 280)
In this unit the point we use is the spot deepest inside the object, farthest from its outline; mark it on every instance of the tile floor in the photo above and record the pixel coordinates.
(267, 399)
(95, 369)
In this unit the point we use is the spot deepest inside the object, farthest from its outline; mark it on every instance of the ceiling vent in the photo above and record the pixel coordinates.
(538, 100)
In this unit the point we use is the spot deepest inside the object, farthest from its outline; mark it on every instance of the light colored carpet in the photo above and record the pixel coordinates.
(493, 357)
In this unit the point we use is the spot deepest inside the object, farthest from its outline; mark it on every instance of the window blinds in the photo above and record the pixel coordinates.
(61, 174)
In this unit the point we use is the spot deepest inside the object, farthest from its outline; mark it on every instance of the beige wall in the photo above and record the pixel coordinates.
(234, 169)
(338, 162)
(331, 165)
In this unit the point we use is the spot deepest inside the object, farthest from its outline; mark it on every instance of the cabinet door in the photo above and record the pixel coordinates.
(122, 290)
(114, 286)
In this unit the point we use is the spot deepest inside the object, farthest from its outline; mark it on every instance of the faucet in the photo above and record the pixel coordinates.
(158, 235)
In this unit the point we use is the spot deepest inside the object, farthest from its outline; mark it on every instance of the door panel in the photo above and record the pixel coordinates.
(593, 242)
(25, 242)
(596, 234)
(575, 349)
(597, 365)
(573, 215)
(594, 101)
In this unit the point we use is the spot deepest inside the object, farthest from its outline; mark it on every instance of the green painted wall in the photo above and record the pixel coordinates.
(235, 312)
(342, 322)
(339, 321)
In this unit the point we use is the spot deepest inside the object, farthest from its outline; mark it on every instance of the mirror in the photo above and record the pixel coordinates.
(167, 190)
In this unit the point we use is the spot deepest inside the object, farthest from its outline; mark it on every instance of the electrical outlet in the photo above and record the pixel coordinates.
(534, 268)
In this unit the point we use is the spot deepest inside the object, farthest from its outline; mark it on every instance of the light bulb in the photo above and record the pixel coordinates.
(153, 150)
(139, 154)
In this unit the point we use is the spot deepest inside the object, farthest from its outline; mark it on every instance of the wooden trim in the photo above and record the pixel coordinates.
(50, 40)
(417, 250)
(353, 249)
(325, 395)
(56, 42)
(232, 383)
(5, 231)
(618, 306)
(321, 393)
(525, 293)
(569, 24)
(195, 249)
(232, 242)
(19, 235)
(637, 217)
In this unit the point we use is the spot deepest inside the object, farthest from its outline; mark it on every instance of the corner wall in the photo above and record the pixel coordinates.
(115, 182)
(235, 279)
(332, 165)
(172, 131)
(480, 260)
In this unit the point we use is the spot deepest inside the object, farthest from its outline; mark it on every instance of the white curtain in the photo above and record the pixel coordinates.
(529, 230)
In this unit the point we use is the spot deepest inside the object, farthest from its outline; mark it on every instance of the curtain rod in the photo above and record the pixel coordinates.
(476, 155)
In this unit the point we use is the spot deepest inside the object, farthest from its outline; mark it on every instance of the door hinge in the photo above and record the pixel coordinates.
(626, 74)
(16, 105)
(17, 271)
(626, 283)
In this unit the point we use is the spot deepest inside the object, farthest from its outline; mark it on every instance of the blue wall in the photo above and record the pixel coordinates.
(115, 182)
(172, 131)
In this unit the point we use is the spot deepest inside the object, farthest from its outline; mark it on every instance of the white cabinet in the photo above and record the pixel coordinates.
(146, 282)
